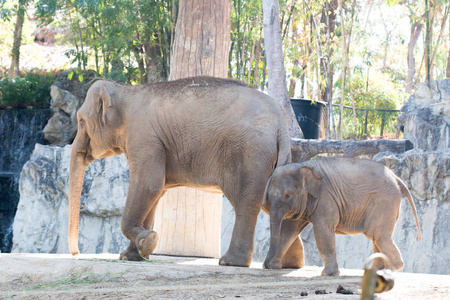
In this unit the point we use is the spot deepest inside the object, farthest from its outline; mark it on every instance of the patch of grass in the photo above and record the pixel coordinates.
(79, 277)
(100, 259)
(150, 261)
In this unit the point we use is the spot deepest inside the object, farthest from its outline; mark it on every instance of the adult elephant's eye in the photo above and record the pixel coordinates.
(82, 122)
(287, 196)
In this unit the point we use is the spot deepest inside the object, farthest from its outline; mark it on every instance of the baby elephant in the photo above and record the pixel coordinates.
(337, 195)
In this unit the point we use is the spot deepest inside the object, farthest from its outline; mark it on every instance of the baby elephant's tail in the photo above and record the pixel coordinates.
(407, 195)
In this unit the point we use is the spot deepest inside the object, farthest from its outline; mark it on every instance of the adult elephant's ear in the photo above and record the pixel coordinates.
(104, 103)
(311, 180)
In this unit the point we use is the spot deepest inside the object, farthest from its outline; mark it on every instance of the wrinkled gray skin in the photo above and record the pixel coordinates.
(337, 195)
(211, 134)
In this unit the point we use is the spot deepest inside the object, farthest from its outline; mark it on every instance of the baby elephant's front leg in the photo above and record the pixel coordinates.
(326, 244)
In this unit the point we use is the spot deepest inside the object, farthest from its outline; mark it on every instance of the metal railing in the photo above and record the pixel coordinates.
(370, 123)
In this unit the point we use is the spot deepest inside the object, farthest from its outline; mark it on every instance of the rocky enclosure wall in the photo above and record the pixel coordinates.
(41, 220)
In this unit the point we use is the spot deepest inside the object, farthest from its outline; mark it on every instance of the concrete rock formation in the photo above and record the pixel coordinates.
(426, 116)
(67, 93)
(62, 126)
(41, 220)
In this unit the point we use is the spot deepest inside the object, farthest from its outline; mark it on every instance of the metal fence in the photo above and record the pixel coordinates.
(369, 123)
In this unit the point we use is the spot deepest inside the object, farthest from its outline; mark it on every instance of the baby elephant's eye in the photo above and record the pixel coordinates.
(82, 122)
(287, 196)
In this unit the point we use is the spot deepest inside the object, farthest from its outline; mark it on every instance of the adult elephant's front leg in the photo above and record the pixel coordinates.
(132, 252)
(138, 216)
(240, 252)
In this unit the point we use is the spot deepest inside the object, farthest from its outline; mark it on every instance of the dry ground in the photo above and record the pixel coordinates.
(52, 276)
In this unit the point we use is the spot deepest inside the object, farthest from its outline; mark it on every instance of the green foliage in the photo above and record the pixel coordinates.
(31, 90)
(116, 34)
(377, 98)
(5, 12)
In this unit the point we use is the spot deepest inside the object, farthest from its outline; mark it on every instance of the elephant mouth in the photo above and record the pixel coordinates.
(296, 216)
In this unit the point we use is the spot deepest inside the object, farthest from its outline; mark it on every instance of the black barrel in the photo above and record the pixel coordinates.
(309, 116)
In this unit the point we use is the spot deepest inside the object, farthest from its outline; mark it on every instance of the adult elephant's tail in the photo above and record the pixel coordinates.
(284, 145)
(407, 195)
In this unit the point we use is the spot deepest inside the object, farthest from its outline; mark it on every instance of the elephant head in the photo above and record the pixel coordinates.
(100, 124)
(291, 194)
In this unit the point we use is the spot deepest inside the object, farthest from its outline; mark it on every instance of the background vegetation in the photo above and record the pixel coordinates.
(380, 49)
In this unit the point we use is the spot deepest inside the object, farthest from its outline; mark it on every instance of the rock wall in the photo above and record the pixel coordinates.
(67, 94)
(62, 126)
(20, 130)
(426, 116)
(41, 220)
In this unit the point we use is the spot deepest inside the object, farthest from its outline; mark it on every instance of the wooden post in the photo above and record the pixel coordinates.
(187, 220)
(188, 223)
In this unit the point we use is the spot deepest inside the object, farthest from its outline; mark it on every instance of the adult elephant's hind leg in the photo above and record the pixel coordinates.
(240, 252)
(246, 203)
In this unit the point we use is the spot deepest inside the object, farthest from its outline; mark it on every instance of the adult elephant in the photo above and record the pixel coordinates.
(212, 134)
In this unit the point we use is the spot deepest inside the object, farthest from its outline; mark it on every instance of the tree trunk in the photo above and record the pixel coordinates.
(328, 19)
(428, 39)
(444, 21)
(275, 63)
(306, 149)
(257, 60)
(189, 220)
(447, 72)
(202, 39)
(14, 70)
(344, 65)
(416, 29)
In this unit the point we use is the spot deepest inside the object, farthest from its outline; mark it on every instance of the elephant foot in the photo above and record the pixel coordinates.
(293, 265)
(272, 264)
(235, 260)
(293, 261)
(397, 265)
(131, 256)
(146, 243)
(331, 271)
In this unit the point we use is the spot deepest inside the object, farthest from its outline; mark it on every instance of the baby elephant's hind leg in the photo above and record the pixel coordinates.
(386, 246)
(378, 263)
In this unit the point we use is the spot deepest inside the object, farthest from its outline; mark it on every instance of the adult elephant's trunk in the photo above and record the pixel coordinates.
(76, 175)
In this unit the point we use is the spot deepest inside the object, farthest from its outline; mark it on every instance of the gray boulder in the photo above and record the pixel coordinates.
(426, 116)
(62, 126)
(41, 220)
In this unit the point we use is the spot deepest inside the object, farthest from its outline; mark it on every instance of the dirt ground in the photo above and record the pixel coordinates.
(52, 276)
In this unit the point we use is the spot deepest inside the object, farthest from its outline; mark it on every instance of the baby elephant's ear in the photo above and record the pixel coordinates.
(311, 180)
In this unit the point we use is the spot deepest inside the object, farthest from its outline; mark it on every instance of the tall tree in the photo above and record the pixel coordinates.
(416, 30)
(275, 63)
(202, 39)
(14, 70)
(447, 71)
(201, 45)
